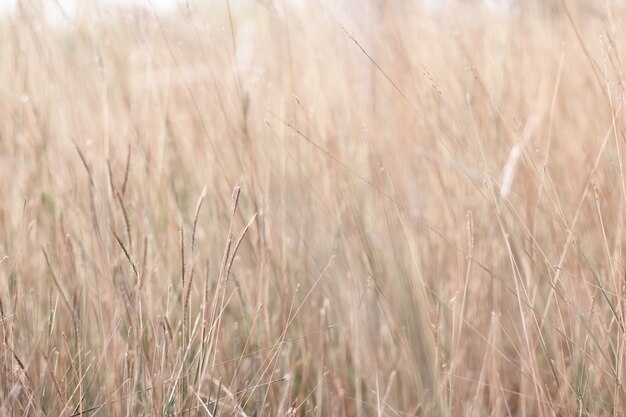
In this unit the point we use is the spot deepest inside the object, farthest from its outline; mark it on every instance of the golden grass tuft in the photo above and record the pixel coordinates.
(313, 209)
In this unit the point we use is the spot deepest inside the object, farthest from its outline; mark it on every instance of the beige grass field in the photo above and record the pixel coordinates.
(314, 209)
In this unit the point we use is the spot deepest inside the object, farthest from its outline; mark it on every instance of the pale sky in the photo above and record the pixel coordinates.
(70, 6)
(348, 9)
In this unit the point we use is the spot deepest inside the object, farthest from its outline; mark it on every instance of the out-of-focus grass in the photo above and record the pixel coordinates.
(427, 215)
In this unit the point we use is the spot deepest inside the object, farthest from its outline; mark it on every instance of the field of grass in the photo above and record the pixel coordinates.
(257, 209)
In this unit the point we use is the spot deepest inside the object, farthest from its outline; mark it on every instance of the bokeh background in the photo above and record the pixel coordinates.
(293, 208)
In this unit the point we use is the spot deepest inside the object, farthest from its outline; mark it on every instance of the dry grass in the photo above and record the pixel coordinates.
(427, 217)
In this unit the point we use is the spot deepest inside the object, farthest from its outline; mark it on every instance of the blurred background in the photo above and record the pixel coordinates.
(290, 208)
